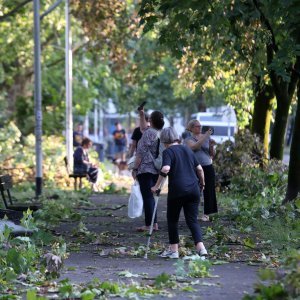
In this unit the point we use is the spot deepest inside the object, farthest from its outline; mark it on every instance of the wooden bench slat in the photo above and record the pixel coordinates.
(74, 175)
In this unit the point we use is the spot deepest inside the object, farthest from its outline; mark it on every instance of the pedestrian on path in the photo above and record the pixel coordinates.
(144, 169)
(82, 164)
(203, 146)
(120, 140)
(78, 135)
(186, 179)
(137, 133)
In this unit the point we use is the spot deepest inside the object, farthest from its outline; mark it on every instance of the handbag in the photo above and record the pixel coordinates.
(135, 202)
(158, 159)
(131, 162)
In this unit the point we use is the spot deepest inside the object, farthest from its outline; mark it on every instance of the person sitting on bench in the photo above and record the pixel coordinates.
(82, 164)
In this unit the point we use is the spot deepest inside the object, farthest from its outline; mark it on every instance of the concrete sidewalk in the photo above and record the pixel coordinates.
(15, 229)
(116, 249)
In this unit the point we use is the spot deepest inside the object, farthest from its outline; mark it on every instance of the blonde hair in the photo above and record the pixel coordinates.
(191, 124)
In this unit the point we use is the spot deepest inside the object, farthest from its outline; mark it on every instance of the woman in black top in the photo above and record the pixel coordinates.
(82, 164)
(186, 178)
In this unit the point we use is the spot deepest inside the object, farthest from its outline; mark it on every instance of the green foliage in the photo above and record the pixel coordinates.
(19, 255)
(240, 167)
(234, 158)
(199, 268)
(269, 183)
(280, 284)
(113, 189)
(162, 280)
(32, 295)
(18, 158)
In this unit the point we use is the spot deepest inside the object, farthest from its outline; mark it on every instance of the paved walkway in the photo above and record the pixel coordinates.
(111, 245)
(16, 229)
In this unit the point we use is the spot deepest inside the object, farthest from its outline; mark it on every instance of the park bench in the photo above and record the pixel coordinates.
(6, 185)
(12, 215)
(76, 176)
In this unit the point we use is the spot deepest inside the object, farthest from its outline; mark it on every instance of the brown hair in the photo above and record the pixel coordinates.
(85, 142)
(157, 119)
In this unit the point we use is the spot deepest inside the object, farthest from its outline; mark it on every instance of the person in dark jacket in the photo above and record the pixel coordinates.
(186, 180)
(78, 135)
(82, 164)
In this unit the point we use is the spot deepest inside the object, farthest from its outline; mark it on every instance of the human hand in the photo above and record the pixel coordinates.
(133, 173)
(209, 132)
(202, 186)
(154, 189)
(141, 113)
(212, 142)
(141, 107)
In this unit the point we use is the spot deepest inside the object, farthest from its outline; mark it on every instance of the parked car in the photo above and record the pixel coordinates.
(222, 120)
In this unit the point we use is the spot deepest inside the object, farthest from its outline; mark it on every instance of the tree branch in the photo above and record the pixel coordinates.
(74, 50)
(266, 22)
(12, 12)
(294, 77)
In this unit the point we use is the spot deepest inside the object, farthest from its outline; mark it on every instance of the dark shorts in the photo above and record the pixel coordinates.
(120, 149)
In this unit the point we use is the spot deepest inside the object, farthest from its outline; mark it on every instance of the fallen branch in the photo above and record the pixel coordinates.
(115, 208)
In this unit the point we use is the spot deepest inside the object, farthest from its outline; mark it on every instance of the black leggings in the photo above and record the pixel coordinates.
(147, 181)
(209, 193)
(190, 205)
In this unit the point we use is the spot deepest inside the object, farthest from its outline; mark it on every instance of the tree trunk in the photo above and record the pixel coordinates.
(278, 133)
(284, 92)
(293, 187)
(201, 103)
(262, 114)
(19, 88)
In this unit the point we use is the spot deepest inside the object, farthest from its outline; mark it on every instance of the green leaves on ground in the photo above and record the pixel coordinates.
(283, 283)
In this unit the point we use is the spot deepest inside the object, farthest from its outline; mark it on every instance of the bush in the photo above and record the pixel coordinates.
(281, 284)
(17, 155)
(233, 158)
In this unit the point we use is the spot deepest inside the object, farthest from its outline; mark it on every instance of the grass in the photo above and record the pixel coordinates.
(282, 234)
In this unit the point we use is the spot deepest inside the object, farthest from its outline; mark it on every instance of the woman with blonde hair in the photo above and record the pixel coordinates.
(203, 146)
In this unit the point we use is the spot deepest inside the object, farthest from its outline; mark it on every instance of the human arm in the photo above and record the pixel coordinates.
(132, 148)
(161, 178)
(86, 161)
(126, 138)
(143, 122)
(196, 144)
(81, 158)
(212, 151)
(138, 160)
(200, 175)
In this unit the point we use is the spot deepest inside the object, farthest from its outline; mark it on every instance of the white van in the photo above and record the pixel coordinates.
(222, 120)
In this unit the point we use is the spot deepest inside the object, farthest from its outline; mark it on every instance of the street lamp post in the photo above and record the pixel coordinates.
(38, 99)
(68, 74)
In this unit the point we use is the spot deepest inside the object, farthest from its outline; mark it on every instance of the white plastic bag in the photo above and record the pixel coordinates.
(135, 202)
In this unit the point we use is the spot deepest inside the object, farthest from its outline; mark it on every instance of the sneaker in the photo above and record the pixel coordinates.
(169, 254)
(204, 218)
(202, 252)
